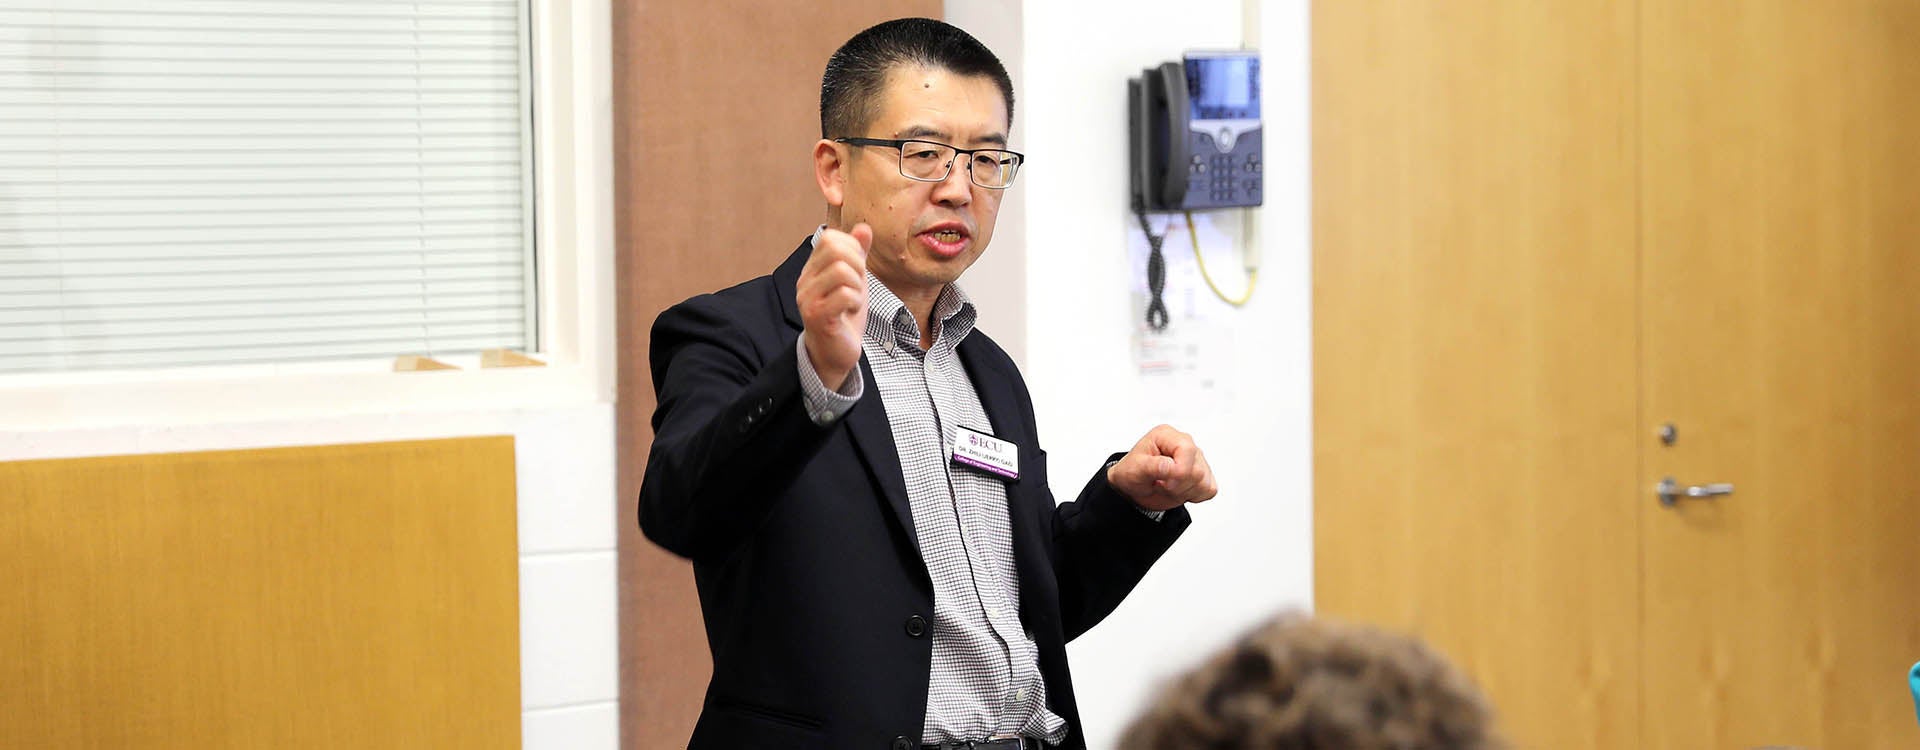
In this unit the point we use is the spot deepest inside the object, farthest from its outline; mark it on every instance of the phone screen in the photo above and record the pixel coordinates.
(1224, 87)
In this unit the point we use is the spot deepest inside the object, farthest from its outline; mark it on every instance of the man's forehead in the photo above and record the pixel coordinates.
(919, 102)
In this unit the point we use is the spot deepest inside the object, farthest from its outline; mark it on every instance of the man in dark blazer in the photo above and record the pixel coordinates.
(855, 472)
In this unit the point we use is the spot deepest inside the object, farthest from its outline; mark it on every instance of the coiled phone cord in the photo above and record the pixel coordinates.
(1156, 275)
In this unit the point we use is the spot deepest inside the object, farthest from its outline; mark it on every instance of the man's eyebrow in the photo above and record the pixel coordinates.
(923, 131)
(932, 133)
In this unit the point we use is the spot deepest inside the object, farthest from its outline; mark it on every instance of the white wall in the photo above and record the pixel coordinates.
(1249, 552)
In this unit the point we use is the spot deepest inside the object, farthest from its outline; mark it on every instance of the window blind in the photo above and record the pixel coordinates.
(203, 182)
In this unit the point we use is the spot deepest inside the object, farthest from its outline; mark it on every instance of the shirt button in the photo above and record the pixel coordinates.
(1020, 695)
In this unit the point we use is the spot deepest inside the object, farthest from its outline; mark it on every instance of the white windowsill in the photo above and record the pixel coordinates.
(279, 392)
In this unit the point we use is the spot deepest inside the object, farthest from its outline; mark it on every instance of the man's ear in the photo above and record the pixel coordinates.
(830, 170)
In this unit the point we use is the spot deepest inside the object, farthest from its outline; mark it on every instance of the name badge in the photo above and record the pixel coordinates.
(986, 453)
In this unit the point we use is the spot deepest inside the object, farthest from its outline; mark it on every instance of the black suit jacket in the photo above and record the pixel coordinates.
(818, 606)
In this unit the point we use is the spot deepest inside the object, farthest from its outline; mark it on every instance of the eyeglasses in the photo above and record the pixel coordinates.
(927, 161)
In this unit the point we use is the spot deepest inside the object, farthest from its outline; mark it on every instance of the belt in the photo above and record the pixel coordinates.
(1002, 743)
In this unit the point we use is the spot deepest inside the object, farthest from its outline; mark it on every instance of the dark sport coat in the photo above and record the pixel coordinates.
(818, 606)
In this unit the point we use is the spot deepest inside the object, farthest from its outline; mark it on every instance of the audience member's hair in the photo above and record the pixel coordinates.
(1299, 683)
(857, 73)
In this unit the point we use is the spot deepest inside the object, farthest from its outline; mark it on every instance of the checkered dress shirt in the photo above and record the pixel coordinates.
(986, 669)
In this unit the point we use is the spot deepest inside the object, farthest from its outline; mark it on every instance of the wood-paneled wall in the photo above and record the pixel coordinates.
(350, 596)
(716, 109)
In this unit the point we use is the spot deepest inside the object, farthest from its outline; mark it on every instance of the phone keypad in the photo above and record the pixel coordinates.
(1224, 180)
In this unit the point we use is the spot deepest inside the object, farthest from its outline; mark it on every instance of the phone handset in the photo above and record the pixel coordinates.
(1173, 90)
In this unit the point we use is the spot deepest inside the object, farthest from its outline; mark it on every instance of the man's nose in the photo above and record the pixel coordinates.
(957, 189)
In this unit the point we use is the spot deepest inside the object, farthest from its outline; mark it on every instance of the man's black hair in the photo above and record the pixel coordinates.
(857, 73)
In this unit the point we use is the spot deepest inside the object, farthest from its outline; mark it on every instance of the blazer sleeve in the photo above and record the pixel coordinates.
(1103, 546)
(731, 430)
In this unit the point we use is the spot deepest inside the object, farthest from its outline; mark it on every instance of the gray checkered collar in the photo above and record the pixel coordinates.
(890, 322)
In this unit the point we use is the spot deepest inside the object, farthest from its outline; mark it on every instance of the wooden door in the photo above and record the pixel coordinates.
(1475, 444)
(1781, 303)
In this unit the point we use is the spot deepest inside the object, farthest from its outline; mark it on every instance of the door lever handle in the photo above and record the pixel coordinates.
(1671, 491)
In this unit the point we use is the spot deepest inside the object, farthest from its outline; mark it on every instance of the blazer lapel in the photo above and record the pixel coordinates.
(998, 399)
(1029, 504)
(867, 421)
(873, 438)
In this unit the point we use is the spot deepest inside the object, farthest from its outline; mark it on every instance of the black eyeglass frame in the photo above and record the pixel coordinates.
(899, 145)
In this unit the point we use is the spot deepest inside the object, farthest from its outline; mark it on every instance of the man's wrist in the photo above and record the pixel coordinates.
(834, 380)
(825, 405)
(1108, 472)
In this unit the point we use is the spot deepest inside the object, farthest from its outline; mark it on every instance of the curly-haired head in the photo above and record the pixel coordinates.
(1299, 683)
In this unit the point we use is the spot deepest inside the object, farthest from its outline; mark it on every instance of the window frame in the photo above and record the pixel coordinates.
(569, 70)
